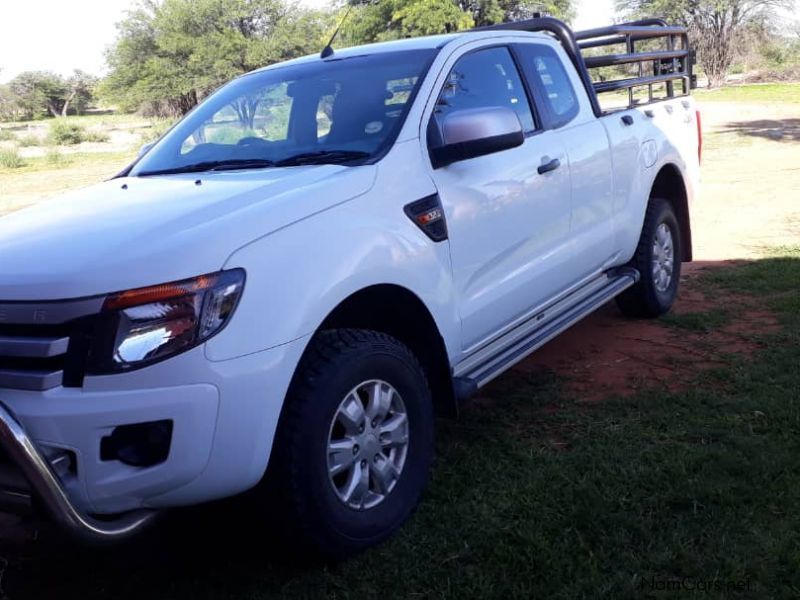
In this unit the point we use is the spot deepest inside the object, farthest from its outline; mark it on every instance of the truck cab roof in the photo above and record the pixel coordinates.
(417, 43)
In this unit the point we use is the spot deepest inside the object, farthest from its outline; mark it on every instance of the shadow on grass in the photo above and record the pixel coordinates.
(700, 486)
(786, 130)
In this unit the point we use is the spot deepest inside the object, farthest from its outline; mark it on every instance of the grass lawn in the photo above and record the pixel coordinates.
(536, 494)
(762, 92)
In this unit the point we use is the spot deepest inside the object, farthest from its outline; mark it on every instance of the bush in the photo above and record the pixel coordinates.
(6, 135)
(10, 159)
(64, 133)
(54, 158)
(96, 136)
(29, 140)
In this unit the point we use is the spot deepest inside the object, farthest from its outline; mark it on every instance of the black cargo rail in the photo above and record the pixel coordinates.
(669, 65)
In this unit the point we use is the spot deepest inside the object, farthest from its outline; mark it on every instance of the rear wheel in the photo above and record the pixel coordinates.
(355, 443)
(658, 260)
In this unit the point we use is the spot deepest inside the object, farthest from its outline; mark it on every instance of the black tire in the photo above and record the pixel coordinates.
(312, 515)
(645, 299)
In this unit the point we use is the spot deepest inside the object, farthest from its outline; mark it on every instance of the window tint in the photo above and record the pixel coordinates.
(483, 79)
(543, 68)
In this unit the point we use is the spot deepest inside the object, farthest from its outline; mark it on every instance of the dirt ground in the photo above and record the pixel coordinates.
(750, 200)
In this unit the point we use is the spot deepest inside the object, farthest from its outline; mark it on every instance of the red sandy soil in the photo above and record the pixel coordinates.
(608, 354)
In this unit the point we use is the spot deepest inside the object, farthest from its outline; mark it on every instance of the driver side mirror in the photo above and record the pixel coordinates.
(474, 132)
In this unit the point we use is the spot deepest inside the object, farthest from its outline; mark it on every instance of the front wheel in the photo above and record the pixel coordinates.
(355, 443)
(658, 260)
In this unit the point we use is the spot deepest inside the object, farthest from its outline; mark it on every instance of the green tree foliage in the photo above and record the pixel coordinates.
(168, 55)
(37, 93)
(379, 20)
(34, 94)
(718, 28)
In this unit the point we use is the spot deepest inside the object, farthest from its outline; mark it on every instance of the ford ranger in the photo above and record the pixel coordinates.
(283, 291)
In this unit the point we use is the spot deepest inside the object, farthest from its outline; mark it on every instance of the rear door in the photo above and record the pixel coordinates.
(508, 225)
(566, 111)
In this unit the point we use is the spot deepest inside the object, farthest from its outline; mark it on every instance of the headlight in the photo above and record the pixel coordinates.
(146, 325)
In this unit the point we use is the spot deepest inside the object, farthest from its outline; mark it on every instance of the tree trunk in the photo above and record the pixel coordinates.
(66, 104)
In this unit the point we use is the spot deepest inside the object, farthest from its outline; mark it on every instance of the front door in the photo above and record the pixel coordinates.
(509, 225)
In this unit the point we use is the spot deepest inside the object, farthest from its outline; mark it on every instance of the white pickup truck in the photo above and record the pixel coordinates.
(283, 290)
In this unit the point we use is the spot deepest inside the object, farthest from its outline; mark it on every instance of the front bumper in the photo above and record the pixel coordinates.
(46, 486)
(224, 416)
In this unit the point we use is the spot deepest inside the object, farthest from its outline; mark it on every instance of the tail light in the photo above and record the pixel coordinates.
(699, 138)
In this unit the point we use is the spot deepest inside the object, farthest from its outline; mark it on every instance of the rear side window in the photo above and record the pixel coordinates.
(486, 78)
(545, 71)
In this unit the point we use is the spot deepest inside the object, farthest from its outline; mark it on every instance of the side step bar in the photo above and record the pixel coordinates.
(492, 361)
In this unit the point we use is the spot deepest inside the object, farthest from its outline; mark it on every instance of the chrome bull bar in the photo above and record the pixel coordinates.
(47, 489)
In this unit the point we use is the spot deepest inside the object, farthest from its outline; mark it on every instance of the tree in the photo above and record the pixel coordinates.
(38, 92)
(79, 92)
(716, 27)
(169, 55)
(380, 20)
(489, 12)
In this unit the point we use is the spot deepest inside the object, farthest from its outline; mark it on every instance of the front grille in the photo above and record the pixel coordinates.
(47, 347)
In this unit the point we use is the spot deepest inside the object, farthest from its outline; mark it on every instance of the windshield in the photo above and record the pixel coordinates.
(337, 111)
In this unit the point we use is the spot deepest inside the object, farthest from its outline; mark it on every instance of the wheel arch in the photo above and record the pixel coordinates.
(400, 313)
(669, 185)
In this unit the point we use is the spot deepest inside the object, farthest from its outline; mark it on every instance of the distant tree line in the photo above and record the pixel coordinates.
(170, 54)
(721, 31)
(34, 94)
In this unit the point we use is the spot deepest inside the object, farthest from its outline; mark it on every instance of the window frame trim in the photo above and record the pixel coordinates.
(552, 121)
(538, 123)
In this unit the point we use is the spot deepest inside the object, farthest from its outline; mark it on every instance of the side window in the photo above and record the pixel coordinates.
(543, 68)
(483, 79)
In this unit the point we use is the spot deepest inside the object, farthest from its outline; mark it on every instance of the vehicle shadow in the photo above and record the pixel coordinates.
(786, 130)
(221, 549)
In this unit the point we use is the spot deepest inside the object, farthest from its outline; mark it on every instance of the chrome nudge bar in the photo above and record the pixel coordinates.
(47, 488)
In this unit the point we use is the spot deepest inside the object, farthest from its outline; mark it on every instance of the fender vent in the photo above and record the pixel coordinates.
(428, 215)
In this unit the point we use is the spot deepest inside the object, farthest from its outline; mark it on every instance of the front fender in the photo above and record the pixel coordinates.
(297, 276)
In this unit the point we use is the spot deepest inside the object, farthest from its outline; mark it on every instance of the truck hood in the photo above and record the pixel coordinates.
(138, 231)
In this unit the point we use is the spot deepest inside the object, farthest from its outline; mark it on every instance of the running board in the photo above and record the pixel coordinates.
(502, 354)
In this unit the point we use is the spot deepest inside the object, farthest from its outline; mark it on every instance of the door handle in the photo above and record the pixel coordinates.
(547, 167)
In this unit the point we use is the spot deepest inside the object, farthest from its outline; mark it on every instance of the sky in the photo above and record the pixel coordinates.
(59, 35)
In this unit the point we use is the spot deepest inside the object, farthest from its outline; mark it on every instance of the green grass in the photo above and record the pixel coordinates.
(26, 141)
(10, 159)
(698, 321)
(767, 92)
(48, 163)
(536, 494)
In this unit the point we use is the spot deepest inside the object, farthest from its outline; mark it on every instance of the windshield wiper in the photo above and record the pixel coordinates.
(214, 165)
(322, 157)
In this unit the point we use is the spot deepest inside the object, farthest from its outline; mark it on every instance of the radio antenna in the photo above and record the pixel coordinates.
(328, 50)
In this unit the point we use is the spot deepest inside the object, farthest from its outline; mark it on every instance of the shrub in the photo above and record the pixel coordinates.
(29, 140)
(6, 135)
(96, 136)
(10, 158)
(54, 158)
(64, 133)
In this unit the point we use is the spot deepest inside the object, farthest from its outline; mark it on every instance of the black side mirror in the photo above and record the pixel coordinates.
(474, 132)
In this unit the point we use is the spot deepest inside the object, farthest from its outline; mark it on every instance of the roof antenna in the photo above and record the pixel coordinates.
(328, 50)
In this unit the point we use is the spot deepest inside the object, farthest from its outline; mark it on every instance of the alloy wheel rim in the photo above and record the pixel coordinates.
(663, 258)
(367, 444)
